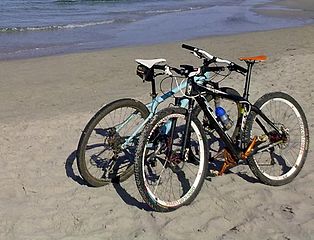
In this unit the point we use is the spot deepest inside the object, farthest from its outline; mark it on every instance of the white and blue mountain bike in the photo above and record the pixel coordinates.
(108, 142)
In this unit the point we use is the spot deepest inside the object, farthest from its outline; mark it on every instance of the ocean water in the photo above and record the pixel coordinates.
(30, 28)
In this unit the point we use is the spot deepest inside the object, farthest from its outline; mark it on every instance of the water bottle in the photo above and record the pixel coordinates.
(223, 116)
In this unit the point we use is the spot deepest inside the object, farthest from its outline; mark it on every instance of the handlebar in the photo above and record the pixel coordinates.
(185, 70)
(203, 54)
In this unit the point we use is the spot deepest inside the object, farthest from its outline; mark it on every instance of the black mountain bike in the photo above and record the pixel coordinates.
(172, 156)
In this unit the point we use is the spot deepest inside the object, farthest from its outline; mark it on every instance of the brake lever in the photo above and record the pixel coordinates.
(196, 54)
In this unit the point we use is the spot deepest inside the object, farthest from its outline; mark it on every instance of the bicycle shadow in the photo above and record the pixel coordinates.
(123, 194)
(70, 172)
(247, 177)
(216, 145)
(130, 200)
(242, 175)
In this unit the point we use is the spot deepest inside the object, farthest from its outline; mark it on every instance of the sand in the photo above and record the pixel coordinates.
(46, 102)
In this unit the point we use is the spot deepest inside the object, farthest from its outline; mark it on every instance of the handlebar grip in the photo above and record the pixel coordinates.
(188, 47)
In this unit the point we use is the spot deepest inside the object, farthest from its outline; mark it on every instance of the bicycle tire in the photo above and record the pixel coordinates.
(188, 175)
(115, 167)
(297, 133)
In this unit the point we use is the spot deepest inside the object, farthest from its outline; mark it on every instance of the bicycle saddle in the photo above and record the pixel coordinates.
(150, 62)
(255, 58)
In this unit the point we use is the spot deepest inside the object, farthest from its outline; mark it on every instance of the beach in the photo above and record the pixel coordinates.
(46, 102)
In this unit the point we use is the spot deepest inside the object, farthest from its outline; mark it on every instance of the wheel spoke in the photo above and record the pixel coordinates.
(100, 140)
(169, 181)
(162, 170)
(287, 157)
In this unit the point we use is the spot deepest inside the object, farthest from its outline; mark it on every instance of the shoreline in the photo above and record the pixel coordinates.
(93, 51)
(102, 73)
(241, 19)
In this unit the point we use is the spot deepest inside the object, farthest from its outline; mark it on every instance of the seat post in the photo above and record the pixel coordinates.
(250, 62)
(248, 79)
(153, 93)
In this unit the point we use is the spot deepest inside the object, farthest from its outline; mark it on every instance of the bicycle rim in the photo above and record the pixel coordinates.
(285, 160)
(101, 157)
(170, 181)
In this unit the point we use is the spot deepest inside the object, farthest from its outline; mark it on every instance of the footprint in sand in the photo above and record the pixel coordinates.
(287, 211)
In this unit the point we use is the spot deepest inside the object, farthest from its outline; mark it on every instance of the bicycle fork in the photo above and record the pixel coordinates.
(187, 133)
(170, 126)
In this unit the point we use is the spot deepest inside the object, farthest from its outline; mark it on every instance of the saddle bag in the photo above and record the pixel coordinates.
(145, 73)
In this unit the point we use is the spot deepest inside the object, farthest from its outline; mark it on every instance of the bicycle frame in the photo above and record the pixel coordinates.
(235, 149)
(153, 105)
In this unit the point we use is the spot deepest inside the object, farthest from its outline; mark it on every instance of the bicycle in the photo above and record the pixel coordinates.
(106, 148)
(273, 144)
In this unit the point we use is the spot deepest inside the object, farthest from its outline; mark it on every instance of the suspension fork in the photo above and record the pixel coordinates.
(173, 124)
(187, 131)
(170, 128)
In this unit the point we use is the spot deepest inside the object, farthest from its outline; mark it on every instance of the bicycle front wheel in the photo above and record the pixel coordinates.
(167, 179)
(281, 163)
(100, 156)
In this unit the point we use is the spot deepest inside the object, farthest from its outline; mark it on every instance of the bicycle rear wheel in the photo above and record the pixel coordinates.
(165, 180)
(100, 158)
(280, 164)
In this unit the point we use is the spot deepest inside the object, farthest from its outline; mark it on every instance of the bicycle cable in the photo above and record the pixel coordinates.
(180, 87)
(160, 87)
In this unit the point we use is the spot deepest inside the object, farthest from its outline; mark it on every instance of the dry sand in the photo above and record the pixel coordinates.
(45, 103)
